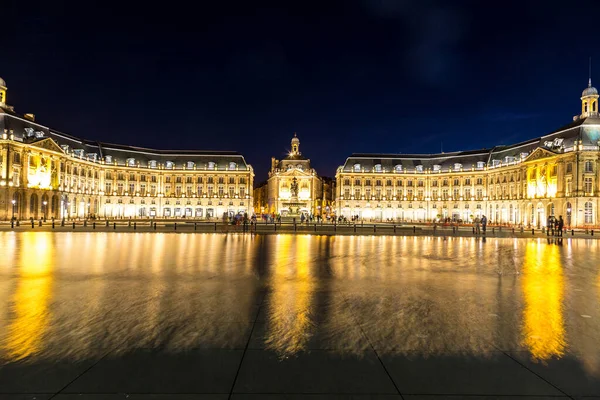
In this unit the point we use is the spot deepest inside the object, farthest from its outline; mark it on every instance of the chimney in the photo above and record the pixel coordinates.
(30, 117)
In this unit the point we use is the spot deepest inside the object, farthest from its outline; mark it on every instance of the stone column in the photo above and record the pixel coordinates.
(560, 178)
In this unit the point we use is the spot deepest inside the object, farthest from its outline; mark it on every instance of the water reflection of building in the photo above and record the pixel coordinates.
(524, 183)
(31, 320)
(46, 173)
(292, 284)
(278, 192)
(543, 327)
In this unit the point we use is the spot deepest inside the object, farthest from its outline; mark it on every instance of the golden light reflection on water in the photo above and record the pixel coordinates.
(543, 327)
(74, 295)
(292, 288)
(32, 297)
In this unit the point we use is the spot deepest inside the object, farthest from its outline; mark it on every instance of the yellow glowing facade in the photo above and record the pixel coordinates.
(48, 174)
(278, 192)
(523, 184)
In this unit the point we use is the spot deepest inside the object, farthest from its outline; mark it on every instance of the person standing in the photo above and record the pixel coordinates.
(477, 226)
(559, 225)
(484, 223)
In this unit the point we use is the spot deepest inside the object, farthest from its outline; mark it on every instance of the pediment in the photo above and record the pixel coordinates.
(295, 172)
(48, 144)
(538, 154)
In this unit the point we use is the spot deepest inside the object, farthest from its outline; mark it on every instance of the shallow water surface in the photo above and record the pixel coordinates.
(74, 296)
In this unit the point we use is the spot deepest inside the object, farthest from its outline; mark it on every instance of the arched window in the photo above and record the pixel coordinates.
(169, 165)
(437, 167)
(588, 212)
(457, 166)
(377, 167)
(480, 164)
(232, 165)
(594, 104)
(356, 167)
(131, 162)
(190, 165)
(152, 163)
(211, 165)
(398, 168)
(585, 107)
(108, 159)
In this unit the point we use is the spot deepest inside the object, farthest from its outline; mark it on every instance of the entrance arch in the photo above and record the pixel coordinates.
(54, 206)
(17, 205)
(568, 213)
(45, 206)
(33, 206)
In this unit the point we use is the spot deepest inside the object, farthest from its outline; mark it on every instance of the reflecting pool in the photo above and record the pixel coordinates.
(75, 296)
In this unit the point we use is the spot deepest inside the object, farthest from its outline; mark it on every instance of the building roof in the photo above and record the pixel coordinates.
(26, 130)
(585, 129)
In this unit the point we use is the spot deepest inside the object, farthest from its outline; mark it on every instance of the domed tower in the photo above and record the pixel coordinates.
(295, 145)
(2, 93)
(589, 98)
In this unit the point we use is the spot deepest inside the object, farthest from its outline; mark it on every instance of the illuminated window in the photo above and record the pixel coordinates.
(398, 168)
(480, 164)
(588, 213)
(377, 167)
(356, 167)
(587, 185)
(589, 166)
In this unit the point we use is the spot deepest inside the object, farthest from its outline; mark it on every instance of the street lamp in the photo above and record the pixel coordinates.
(45, 203)
(14, 202)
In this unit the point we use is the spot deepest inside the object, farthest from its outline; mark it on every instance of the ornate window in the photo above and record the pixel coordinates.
(377, 167)
(356, 167)
(398, 168)
(232, 165)
(588, 212)
(211, 165)
(152, 164)
(190, 165)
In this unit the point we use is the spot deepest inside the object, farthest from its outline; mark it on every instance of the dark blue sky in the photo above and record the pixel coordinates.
(351, 76)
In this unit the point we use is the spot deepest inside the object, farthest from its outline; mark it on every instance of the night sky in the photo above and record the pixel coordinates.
(366, 76)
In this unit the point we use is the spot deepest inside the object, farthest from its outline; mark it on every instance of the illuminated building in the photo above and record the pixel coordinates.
(520, 184)
(293, 187)
(46, 173)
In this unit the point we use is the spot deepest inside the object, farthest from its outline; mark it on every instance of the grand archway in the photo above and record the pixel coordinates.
(33, 206)
(45, 206)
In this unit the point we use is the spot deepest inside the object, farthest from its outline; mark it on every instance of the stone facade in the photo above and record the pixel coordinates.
(48, 174)
(279, 197)
(522, 184)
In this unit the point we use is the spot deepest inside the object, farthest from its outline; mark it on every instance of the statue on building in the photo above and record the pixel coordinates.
(294, 187)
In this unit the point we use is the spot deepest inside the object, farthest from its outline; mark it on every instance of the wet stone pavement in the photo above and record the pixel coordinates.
(213, 316)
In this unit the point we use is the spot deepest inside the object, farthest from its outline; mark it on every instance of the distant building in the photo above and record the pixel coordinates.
(521, 184)
(293, 187)
(49, 174)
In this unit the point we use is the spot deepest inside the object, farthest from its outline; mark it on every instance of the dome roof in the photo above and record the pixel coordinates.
(2, 82)
(590, 90)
